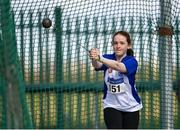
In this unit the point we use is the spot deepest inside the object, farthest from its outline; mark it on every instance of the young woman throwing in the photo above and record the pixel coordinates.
(121, 100)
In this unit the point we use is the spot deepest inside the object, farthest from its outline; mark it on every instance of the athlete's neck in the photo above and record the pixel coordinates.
(119, 58)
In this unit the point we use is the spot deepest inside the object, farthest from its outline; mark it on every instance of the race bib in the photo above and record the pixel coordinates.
(116, 88)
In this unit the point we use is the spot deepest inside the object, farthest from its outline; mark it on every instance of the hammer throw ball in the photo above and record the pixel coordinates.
(46, 23)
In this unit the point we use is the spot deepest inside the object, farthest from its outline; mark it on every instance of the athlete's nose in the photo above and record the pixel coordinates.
(118, 46)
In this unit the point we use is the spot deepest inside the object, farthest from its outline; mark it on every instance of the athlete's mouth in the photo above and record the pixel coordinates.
(118, 50)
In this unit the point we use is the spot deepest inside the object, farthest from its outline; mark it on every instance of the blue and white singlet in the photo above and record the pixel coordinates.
(119, 88)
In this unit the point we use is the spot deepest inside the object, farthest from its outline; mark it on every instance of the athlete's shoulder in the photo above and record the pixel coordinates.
(129, 58)
(131, 64)
(109, 56)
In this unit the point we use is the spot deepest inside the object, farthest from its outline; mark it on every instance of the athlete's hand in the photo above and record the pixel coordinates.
(94, 54)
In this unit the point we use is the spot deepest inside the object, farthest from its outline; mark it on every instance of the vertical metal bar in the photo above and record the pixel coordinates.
(59, 67)
(142, 69)
(113, 25)
(97, 74)
(88, 99)
(69, 113)
(47, 72)
(69, 52)
(41, 123)
(87, 46)
(22, 44)
(177, 39)
(31, 64)
(95, 20)
(47, 94)
(123, 21)
(96, 121)
(166, 88)
(78, 51)
(59, 54)
(79, 66)
(40, 72)
(15, 102)
(68, 106)
(143, 113)
(4, 117)
(150, 84)
(177, 50)
(165, 48)
(40, 49)
(79, 106)
(105, 45)
(31, 50)
(132, 30)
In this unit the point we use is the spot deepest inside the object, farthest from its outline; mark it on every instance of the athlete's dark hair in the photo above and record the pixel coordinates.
(126, 34)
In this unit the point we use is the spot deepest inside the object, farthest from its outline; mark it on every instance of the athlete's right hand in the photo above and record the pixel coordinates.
(94, 54)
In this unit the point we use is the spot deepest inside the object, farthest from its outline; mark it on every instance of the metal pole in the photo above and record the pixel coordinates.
(165, 56)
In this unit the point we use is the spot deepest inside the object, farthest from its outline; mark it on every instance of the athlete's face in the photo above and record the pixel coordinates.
(120, 45)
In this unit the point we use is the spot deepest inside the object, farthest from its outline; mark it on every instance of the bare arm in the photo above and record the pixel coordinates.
(96, 64)
(113, 64)
(98, 61)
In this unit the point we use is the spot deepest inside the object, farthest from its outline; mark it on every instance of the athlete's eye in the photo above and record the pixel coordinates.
(121, 42)
(115, 43)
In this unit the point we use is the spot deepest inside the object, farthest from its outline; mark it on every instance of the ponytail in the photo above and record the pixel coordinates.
(130, 52)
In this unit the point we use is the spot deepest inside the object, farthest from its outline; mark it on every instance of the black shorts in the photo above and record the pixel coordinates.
(115, 119)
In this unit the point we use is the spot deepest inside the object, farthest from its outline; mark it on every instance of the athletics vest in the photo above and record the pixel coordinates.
(120, 89)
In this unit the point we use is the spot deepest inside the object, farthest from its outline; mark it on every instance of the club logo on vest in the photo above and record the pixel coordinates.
(115, 77)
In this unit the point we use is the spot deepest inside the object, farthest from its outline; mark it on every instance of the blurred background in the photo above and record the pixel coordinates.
(47, 80)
